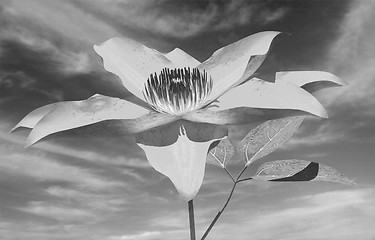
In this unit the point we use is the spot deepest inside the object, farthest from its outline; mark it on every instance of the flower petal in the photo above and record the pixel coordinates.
(240, 115)
(132, 62)
(228, 65)
(181, 59)
(74, 114)
(311, 81)
(31, 119)
(258, 93)
(179, 152)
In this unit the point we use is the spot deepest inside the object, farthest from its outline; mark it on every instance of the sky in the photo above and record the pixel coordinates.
(69, 187)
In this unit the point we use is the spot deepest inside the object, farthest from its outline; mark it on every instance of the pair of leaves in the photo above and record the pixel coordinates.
(258, 143)
(263, 140)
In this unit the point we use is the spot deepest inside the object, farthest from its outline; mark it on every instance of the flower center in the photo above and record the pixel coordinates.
(177, 91)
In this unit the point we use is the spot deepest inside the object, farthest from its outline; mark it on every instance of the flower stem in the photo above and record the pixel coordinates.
(235, 181)
(191, 219)
(219, 213)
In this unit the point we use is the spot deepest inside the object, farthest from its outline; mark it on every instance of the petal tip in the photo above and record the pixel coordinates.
(323, 113)
(95, 47)
(14, 128)
(28, 144)
(342, 83)
(337, 80)
(32, 139)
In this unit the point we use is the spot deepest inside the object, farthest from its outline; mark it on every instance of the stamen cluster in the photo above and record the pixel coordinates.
(177, 91)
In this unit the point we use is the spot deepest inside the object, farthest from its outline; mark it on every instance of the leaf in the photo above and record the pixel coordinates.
(267, 137)
(220, 153)
(327, 173)
(299, 170)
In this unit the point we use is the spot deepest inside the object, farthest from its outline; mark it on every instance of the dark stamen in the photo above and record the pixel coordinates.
(177, 90)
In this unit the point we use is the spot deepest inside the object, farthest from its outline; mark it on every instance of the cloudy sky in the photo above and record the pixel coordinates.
(102, 188)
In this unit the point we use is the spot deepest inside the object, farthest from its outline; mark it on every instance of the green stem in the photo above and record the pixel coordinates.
(191, 219)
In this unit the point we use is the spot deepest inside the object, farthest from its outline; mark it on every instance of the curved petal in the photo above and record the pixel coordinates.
(132, 62)
(181, 154)
(228, 65)
(122, 127)
(258, 93)
(240, 115)
(311, 81)
(31, 119)
(74, 114)
(181, 59)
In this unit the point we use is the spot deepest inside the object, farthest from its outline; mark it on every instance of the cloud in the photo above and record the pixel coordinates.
(20, 27)
(313, 133)
(108, 202)
(351, 108)
(66, 23)
(140, 236)
(270, 16)
(352, 55)
(153, 235)
(34, 231)
(41, 168)
(181, 19)
(30, 75)
(45, 61)
(61, 213)
(337, 215)
(73, 27)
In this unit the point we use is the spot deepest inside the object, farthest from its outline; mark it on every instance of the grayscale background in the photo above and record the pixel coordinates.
(103, 188)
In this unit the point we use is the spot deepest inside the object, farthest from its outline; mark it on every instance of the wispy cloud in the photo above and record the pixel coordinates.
(153, 235)
(24, 24)
(61, 213)
(41, 168)
(89, 200)
(181, 19)
(352, 55)
(65, 21)
(337, 215)
(140, 236)
(351, 108)
(313, 133)
(34, 231)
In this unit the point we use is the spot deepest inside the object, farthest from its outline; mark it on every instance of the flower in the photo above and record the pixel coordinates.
(186, 105)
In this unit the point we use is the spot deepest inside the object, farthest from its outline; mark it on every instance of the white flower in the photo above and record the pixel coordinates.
(178, 121)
